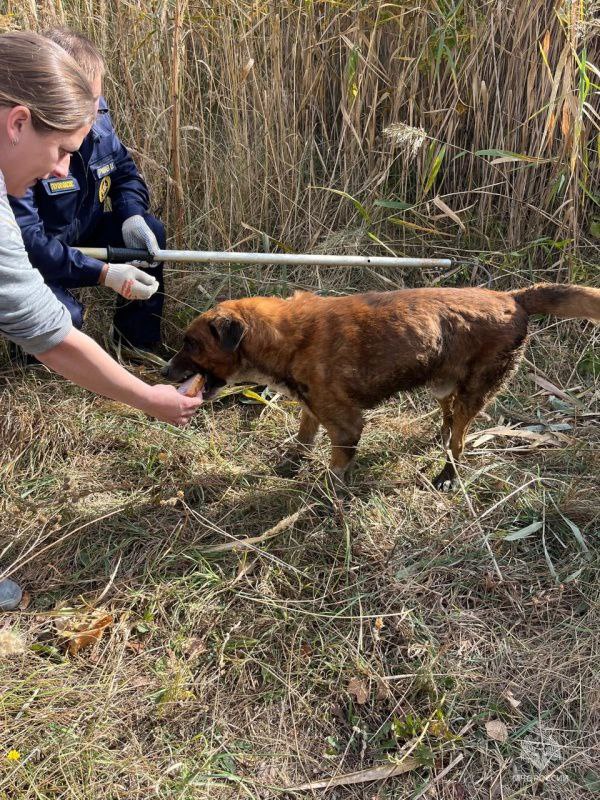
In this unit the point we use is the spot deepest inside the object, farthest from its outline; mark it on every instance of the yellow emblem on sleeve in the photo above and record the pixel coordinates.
(103, 188)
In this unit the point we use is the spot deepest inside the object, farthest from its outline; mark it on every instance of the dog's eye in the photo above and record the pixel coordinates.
(189, 344)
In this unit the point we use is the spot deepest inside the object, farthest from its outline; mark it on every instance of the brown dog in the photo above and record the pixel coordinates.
(341, 355)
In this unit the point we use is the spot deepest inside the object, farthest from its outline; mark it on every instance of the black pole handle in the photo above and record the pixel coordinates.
(123, 255)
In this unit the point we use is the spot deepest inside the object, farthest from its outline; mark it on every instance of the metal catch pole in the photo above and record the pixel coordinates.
(123, 255)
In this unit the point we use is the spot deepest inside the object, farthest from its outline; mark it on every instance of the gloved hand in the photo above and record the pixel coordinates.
(137, 233)
(129, 281)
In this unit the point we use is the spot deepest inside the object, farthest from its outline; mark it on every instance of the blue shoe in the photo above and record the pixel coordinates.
(11, 595)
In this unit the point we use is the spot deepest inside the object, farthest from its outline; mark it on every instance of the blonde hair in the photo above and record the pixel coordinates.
(39, 74)
(83, 50)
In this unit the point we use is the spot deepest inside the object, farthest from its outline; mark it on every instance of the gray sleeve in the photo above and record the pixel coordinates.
(30, 314)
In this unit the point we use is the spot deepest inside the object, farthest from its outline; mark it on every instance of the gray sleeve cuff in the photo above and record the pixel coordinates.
(37, 345)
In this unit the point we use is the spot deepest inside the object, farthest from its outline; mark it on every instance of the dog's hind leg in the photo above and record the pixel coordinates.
(443, 391)
(465, 409)
(447, 406)
(469, 399)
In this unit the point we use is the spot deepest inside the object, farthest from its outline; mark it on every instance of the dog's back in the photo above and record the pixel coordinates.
(369, 346)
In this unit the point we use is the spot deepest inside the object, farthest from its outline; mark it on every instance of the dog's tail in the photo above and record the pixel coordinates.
(560, 300)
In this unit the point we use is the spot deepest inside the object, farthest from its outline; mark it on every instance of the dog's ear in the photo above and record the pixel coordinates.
(228, 331)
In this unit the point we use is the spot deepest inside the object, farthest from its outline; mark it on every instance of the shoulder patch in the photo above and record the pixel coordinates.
(104, 169)
(103, 189)
(60, 185)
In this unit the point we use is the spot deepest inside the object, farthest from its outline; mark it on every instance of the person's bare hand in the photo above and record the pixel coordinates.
(168, 405)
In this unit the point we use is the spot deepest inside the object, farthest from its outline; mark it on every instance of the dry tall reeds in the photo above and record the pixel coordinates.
(272, 100)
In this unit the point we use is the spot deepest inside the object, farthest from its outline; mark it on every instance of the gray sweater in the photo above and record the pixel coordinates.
(30, 314)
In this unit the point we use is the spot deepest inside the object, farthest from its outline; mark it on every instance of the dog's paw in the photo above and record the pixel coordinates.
(447, 486)
(335, 486)
(447, 480)
(333, 501)
(288, 466)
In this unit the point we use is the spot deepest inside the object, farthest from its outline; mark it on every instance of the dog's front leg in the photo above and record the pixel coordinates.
(345, 435)
(309, 426)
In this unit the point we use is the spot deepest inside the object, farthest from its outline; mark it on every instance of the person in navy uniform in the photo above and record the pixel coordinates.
(68, 210)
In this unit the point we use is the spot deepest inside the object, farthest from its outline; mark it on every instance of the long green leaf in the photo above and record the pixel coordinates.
(435, 168)
(523, 533)
(357, 205)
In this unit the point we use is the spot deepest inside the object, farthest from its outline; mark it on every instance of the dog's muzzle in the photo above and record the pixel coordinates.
(173, 372)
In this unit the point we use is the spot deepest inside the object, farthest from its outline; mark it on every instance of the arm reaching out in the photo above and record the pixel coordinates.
(79, 359)
(32, 317)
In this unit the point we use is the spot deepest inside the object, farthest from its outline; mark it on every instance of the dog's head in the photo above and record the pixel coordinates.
(210, 347)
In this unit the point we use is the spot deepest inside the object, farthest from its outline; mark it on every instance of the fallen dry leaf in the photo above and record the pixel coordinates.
(552, 389)
(359, 690)
(550, 437)
(82, 627)
(81, 639)
(194, 647)
(496, 730)
(490, 581)
(305, 649)
(246, 69)
(383, 690)
(511, 699)
(364, 776)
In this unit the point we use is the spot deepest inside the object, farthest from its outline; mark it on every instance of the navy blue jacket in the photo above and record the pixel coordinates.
(57, 213)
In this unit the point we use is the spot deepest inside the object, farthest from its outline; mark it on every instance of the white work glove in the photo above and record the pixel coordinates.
(136, 233)
(130, 282)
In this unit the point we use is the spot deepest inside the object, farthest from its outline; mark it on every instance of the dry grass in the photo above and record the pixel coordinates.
(227, 675)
